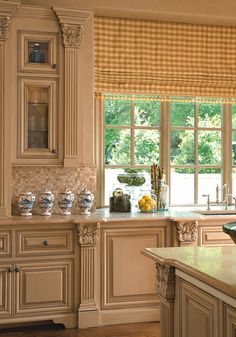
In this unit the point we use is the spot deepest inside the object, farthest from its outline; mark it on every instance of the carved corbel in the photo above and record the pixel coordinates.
(72, 35)
(166, 281)
(187, 231)
(88, 234)
(4, 23)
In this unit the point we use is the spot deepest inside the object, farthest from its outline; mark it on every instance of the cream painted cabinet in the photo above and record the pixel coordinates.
(128, 277)
(37, 278)
(213, 235)
(229, 321)
(199, 312)
(38, 105)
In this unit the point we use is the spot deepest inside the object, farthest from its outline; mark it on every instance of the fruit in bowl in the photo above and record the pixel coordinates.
(147, 203)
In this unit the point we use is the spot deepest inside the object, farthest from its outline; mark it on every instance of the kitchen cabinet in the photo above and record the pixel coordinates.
(199, 312)
(37, 275)
(229, 327)
(38, 103)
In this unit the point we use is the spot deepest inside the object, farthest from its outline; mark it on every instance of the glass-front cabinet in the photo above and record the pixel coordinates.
(38, 122)
(38, 96)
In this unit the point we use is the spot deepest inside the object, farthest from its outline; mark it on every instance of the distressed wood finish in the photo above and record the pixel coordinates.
(72, 26)
(7, 10)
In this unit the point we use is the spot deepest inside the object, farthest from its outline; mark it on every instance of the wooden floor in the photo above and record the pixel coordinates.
(120, 330)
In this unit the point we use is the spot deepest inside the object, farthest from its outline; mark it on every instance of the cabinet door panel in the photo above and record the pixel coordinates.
(199, 312)
(129, 277)
(5, 244)
(44, 286)
(5, 291)
(229, 321)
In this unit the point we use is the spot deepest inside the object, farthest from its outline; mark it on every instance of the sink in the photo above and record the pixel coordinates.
(217, 212)
(230, 229)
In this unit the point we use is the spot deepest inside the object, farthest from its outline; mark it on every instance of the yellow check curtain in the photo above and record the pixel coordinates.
(164, 58)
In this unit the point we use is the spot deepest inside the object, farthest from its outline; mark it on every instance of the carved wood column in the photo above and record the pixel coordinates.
(187, 232)
(166, 291)
(88, 235)
(72, 25)
(7, 10)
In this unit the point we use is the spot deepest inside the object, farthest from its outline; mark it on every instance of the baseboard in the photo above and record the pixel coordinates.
(119, 316)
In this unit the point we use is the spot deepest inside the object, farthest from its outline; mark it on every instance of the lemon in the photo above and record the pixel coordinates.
(146, 208)
(151, 202)
(147, 197)
(141, 202)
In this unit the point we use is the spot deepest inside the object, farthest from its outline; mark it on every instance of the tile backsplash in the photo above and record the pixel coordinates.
(36, 179)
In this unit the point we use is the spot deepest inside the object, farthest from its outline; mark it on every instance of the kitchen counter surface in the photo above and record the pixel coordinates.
(103, 215)
(214, 266)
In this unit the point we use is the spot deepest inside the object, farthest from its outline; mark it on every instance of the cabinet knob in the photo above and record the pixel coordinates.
(17, 269)
(11, 269)
(54, 65)
(45, 243)
(54, 151)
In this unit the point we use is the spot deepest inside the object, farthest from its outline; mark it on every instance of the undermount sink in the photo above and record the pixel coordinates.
(217, 212)
(230, 229)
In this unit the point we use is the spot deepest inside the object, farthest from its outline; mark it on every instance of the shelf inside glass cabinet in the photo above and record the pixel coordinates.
(37, 117)
(38, 52)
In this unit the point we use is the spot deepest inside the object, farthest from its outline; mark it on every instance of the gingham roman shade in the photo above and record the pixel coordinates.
(150, 57)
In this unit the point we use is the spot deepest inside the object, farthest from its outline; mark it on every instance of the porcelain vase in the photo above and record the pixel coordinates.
(46, 202)
(85, 201)
(65, 202)
(25, 203)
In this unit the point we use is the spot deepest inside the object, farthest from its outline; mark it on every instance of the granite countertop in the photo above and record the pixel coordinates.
(103, 215)
(214, 266)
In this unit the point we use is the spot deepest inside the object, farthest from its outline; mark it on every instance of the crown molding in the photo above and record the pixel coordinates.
(72, 16)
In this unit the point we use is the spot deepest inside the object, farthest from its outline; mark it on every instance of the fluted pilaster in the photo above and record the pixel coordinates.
(88, 235)
(7, 10)
(72, 21)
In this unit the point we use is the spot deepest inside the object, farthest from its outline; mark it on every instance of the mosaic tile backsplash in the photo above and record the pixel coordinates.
(36, 179)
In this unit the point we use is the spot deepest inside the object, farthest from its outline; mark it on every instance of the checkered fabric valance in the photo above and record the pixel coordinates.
(164, 58)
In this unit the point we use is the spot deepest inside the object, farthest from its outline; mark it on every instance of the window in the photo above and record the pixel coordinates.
(188, 137)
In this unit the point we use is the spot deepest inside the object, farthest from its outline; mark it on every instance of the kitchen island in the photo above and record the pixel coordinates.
(197, 289)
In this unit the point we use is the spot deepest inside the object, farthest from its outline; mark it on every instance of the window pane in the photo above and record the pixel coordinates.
(117, 112)
(234, 182)
(147, 113)
(209, 115)
(182, 186)
(182, 114)
(233, 115)
(117, 146)
(146, 147)
(209, 147)
(131, 186)
(208, 179)
(182, 147)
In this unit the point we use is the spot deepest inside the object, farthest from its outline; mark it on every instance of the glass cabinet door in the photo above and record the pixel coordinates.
(37, 117)
(38, 52)
(38, 124)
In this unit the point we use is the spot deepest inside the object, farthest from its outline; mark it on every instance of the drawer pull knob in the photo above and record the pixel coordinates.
(11, 269)
(17, 269)
(45, 243)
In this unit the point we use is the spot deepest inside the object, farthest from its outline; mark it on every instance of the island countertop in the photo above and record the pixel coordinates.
(214, 266)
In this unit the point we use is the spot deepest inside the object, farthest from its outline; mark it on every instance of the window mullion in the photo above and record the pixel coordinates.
(132, 131)
(196, 156)
(226, 145)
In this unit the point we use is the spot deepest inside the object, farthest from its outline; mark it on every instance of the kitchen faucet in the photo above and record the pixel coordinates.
(225, 196)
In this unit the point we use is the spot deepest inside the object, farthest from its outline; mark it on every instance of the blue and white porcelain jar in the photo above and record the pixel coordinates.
(25, 203)
(85, 201)
(46, 202)
(65, 201)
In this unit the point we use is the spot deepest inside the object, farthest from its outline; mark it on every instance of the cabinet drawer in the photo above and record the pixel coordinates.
(5, 244)
(214, 236)
(44, 242)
